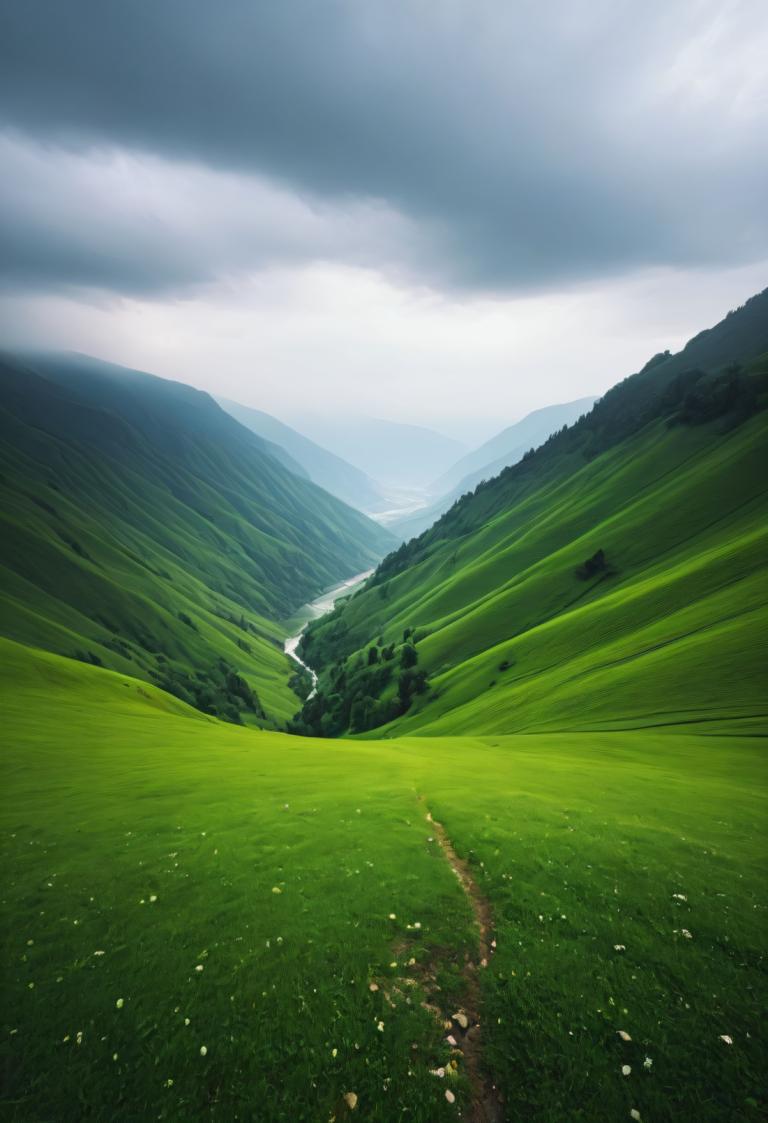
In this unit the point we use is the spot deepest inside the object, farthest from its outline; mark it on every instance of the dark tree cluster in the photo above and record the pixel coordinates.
(365, 692)
(597, 564)
(221, 692)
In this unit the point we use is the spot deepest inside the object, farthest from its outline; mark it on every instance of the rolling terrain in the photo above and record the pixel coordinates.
(274, 911)
(147, 531)
(518, 869)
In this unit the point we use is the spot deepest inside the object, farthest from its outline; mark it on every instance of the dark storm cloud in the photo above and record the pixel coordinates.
(530, 143)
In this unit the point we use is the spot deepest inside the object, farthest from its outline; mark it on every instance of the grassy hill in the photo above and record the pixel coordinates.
(321, 466)
(613, 579)
(211, 922)
(145, 530)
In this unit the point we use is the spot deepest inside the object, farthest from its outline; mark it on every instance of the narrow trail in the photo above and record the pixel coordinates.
(486, 1105)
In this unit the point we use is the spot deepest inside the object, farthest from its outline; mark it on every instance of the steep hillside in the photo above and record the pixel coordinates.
(485, 462)
(615, 578)
(144, 529)
(322, 467)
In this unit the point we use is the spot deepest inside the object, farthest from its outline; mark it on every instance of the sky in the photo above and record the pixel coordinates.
(443, 213)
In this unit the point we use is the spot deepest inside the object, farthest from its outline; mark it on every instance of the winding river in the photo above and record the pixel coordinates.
(313, 611)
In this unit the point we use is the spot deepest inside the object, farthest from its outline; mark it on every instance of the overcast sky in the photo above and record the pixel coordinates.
(441, 211)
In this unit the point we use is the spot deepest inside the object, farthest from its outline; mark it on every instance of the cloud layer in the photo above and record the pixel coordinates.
(478, 146)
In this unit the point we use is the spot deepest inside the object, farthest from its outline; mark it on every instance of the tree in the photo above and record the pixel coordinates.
(409, 656)
(373, 656)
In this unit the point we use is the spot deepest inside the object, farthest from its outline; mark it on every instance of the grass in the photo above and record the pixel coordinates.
(144, 529)
(118, 794)
(514, 641)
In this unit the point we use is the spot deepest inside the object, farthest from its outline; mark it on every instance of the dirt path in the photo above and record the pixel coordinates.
(466, 1030)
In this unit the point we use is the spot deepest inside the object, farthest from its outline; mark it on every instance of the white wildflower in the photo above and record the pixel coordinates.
(203, 1050)
(120, 1003)
(648, 1064)
(626, 1069)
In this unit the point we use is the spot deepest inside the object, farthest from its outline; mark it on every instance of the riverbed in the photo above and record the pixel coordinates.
(313, 610)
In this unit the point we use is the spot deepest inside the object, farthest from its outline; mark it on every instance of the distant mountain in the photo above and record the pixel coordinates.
(145, 530)
(485, 462)
(318, 464)
(510, 445)
(615, 578)
(390, 452)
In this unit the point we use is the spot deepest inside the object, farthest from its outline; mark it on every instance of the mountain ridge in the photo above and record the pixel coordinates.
(323, 467)
(146, 530)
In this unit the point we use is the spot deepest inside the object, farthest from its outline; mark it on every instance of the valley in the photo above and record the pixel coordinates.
(316, 609)
(306, 821)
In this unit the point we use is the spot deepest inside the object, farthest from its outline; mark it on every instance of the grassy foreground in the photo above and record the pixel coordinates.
(195, 913)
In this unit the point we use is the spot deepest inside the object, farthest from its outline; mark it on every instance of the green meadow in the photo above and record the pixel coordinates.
(507, 864)
(196, 911)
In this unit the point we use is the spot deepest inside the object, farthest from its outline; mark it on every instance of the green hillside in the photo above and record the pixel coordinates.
(211, 922)
(147, 531)
(614, 579)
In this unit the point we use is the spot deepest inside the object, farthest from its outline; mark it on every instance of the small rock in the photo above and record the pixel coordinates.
(450, 1096)
(461, 1018)
(350, 1099)
(623, 1035)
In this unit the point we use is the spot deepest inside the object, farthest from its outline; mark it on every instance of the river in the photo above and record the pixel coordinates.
(313, 611)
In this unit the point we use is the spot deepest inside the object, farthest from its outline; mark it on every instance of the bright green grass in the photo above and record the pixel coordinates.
(117, 793)
(673, 633)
